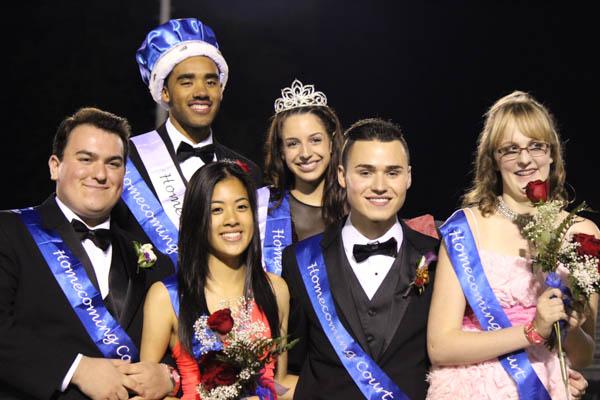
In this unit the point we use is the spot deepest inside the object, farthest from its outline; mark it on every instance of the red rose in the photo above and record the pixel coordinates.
(537, 191)
(221, 321)
(216, 373)
(243, 166)
(588, 244)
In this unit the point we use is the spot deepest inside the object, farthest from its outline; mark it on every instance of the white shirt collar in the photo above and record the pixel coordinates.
(70, 215)
(352, 236)
(177, 137)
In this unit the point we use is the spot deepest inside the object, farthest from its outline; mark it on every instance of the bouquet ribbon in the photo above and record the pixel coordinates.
(465, 260)
(86, 301)
(149, 213)
(366, 374)
(276, 228)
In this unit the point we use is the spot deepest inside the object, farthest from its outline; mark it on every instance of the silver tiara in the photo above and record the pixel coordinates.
(299, 95)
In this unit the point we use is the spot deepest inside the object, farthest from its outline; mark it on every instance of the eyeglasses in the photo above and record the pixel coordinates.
(512, 151)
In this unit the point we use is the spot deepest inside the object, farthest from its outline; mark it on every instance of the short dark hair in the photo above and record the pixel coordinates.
(92, 116)
(372, 129)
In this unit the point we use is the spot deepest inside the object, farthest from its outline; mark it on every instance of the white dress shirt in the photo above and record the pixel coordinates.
(192, 164)
(101, 261)
(371, 272)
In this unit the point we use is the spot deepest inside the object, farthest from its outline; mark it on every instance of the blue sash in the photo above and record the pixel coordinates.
(463, 254)
(149, 213)
(366, 374)
(86, 301)
(278, 234)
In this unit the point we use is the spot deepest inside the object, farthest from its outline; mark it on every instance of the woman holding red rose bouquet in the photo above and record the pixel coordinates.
(220, 279)
(519, 144)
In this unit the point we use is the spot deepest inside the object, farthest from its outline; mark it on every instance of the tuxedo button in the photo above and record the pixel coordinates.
(370, 338)
(371, 313)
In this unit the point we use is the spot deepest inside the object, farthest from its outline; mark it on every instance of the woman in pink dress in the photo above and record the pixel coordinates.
(519, 144)
(219, 267)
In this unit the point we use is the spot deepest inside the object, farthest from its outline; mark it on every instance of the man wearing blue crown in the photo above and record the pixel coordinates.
(361, 291)
(186, 74)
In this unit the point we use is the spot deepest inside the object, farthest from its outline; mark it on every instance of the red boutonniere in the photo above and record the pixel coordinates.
(243, 166)
(421, 274)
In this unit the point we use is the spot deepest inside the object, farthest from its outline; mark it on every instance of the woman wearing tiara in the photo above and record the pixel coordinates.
(220, 267)
(302, 149)
(519, 144)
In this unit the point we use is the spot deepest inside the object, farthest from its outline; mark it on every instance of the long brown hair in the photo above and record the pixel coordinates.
(281, 178)
(516, 110)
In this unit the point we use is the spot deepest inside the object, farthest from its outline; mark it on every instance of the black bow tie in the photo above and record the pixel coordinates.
(363, 251)
(100, 237)
(206, 153)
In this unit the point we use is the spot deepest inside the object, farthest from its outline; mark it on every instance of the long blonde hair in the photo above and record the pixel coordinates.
(521, 111)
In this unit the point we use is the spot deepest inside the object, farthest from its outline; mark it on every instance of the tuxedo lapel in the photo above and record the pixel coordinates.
(338, 267)
(54, 219)
(406, 262)
(220, 150)
(414, 245)
(126, 283)
(162, 132)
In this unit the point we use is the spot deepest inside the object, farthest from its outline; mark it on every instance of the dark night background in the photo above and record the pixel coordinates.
(432, 67)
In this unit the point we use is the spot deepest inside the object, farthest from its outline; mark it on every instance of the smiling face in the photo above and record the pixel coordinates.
(193, 93)
(529, 165)
(376, 177)
(306, 148)
(89, 178)
(232, 223)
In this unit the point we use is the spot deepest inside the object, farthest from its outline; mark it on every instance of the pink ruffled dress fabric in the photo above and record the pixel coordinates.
(517, 290)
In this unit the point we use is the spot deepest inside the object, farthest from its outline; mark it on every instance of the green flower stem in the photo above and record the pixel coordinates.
(561, 359)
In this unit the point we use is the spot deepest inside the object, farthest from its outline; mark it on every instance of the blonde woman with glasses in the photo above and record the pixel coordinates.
(519, 144)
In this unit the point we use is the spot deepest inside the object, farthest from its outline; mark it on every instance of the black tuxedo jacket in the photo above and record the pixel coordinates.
(122, 214)
(221, 152)
(40, 334)
(404, 359)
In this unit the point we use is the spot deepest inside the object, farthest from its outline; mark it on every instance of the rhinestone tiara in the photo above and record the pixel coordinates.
(299, 95)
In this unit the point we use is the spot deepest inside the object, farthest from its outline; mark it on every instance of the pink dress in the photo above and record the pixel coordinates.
(190, 372)
(517, 290)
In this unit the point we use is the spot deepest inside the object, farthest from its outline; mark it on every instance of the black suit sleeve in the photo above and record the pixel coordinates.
(298, 323)
(29, 361)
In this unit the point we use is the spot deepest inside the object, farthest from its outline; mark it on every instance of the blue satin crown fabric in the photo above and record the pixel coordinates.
(465, 260)
(167, 35)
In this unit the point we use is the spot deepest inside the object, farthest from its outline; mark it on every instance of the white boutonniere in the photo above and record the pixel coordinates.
(145, 253)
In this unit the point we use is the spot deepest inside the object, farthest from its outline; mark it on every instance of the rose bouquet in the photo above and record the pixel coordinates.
(579, 255)
(233, 352)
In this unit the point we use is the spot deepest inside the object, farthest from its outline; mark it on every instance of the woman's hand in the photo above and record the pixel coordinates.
(577, 384)
(550, 308)
(577, 318)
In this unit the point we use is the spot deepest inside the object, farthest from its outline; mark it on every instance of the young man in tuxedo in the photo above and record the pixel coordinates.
(71, 285)
(186, 74)
(360, 309)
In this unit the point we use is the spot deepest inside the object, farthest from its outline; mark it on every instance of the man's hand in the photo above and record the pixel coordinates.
(99, 378)
(153, 379)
